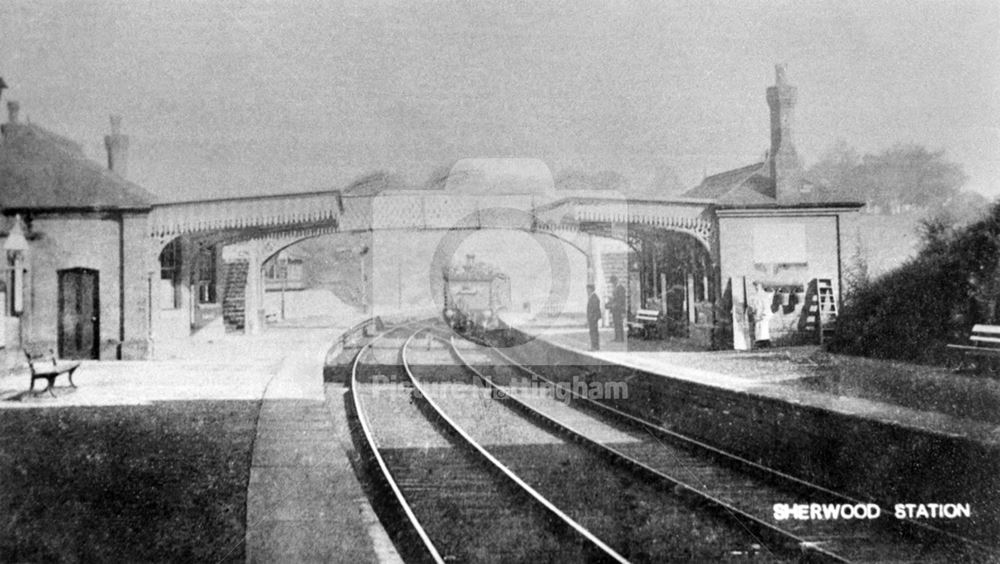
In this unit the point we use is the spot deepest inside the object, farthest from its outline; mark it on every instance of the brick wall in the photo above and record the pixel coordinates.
(139, 266)
(91, 240)
(817, 235)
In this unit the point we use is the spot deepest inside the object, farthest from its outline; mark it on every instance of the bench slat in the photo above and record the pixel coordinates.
(984, 339)
(976, 350)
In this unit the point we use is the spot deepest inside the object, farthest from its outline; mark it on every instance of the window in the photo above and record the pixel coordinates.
(170, 275)
(206, 276)
(276, 268)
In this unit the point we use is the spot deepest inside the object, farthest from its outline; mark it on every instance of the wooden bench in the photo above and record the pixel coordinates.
(46, 366)
(985, 342)
(645, 324)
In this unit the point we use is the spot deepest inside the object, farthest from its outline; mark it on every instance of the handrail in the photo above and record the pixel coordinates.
(359, 326)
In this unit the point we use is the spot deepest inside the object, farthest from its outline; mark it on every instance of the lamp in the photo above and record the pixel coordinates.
(16, 246)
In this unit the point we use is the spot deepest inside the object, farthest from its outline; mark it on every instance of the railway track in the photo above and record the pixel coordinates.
(741, 489)
(446, 497)
(634, 516)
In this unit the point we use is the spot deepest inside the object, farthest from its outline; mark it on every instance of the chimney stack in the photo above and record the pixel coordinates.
(7, 130)
(117, 146)
(786, 169)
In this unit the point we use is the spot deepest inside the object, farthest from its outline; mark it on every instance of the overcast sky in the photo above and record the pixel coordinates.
(224, 98)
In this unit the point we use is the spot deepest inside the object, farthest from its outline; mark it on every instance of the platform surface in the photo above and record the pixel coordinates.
(786, 374)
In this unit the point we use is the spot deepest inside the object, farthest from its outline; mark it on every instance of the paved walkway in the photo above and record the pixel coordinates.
(769, 376)
(304, 503)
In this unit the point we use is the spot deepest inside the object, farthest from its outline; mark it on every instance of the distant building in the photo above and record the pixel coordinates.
(284, 271)
(80, 284)
(778, 229)
(777, 180)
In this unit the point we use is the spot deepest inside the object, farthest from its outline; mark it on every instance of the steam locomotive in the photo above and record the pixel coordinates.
(475, 294)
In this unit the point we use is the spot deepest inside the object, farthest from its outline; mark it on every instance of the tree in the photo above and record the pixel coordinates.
(574, 179)
(612, 180)
(967, 206)
(910, 176)
(666, 182)
(837, 170)
(899, 178)
(438, 178)
(913, 312)
(374, 183)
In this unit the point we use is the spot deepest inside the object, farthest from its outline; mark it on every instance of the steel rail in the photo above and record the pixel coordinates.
(370, 438)
(538, 497)
(770, 529)
(756, 468)
(759, 469)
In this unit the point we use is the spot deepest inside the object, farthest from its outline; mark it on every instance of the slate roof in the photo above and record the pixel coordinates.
(718, 185)
(752, 186)
(40, 170)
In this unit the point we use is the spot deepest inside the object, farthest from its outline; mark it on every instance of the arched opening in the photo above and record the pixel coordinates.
(189, 286)
(673, 272)
(547, 272)
(170, 280)
(317, 276)
(284, 278)
(206, 278)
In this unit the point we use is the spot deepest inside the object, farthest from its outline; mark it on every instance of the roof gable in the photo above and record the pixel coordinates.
(42, 170)
(718, 185)
(749, 192)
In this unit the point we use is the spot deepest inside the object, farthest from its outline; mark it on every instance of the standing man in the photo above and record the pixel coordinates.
(760, 310)
(593, 316)
(618, 309)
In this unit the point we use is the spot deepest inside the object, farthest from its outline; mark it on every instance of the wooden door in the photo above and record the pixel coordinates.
(79, 313)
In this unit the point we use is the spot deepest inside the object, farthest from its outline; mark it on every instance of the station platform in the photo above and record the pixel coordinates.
(880, 431)
(304, 502)
(789, 374)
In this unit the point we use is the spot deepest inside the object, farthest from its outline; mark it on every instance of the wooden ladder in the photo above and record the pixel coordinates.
(822, 308)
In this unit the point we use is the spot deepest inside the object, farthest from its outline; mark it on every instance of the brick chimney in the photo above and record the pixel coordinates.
(117, 145)
(786, 168)
(13, 109)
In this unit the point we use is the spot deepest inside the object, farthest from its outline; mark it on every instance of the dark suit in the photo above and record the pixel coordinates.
(618, 312)
(593, 316)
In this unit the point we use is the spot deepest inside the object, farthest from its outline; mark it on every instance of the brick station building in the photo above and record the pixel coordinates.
(74, 238)
(94, 268)
(779, 237)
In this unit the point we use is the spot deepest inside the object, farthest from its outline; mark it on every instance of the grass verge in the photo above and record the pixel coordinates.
(162, 482)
